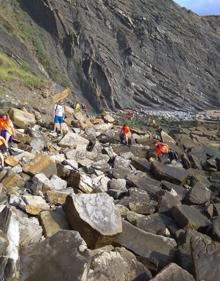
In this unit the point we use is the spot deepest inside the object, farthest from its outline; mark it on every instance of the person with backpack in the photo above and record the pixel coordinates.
(162, 150)
(58, 115)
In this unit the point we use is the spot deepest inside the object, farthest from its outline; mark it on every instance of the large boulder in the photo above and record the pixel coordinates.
(22, 119)
(206, 258)
(34, 204)
(117, 188)
(169, 173)
(167, 200)
(139, 202)
(173, 272)
(115, 265)
(64, 256)
(199, 194)
(40, 183)
(58, 183)
(167, 138)
(30, 231)
(41, 164)
(156, 223)
(12, 180)
(137, 150)
(53, 221)
(120, 173)
(179, 190)
(58, 197)
(189, 217)
(141, 164)
(121, 162)
(73, 140)
(94, 216)
(158, 248)
(143, 181)
(184, 251)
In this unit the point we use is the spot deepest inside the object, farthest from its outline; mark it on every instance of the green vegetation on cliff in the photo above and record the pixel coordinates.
(17, 23)
(12, 71)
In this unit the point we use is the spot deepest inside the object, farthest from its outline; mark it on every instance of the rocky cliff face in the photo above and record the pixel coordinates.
(125, 53)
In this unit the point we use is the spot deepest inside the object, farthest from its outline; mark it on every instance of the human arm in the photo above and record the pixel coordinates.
(54, 110)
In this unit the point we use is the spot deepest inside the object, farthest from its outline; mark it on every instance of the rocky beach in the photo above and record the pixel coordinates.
(82, 206)
(98, 201)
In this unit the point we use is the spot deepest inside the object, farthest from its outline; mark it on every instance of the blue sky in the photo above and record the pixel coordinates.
(201, 7)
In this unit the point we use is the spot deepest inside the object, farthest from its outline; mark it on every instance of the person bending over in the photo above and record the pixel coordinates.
(162, 150)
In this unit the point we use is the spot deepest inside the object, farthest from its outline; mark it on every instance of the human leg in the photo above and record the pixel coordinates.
(2, 160)
(56, 124)
(126, 138)
(122, 138)
(60, 120)
(7, 138)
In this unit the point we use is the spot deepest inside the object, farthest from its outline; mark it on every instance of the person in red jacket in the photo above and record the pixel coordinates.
(125, 134)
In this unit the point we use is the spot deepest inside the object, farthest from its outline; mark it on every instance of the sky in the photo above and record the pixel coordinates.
(201, 7)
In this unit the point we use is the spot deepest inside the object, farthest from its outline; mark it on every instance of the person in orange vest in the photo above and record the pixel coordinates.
(125, 134)
(6, 128)
(162, 150)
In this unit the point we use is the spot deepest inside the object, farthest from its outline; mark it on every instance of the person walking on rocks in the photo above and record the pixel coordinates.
(125, 135)
(77, 106)
(58, 115)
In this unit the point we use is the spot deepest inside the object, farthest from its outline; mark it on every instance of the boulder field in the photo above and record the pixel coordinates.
(82, 206)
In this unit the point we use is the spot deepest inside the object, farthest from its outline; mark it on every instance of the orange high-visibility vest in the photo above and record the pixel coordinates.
(161, 148)
(125, 130)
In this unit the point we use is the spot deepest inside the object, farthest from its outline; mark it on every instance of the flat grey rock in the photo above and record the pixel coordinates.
(189, 217)
(173, 272)
(158, 248)
(169, 173)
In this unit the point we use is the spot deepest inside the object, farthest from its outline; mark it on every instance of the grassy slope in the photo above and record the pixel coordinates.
(11, 71)
(19, 24)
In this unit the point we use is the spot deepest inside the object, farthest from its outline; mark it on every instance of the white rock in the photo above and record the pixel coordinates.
(16, 169)
(103, 127)
(58, 158)
(58, 183)
(72, 163)
(40, 181)
(30, 231)
(101, 183)
(121, 162)
(74, 140)
(13, 238)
